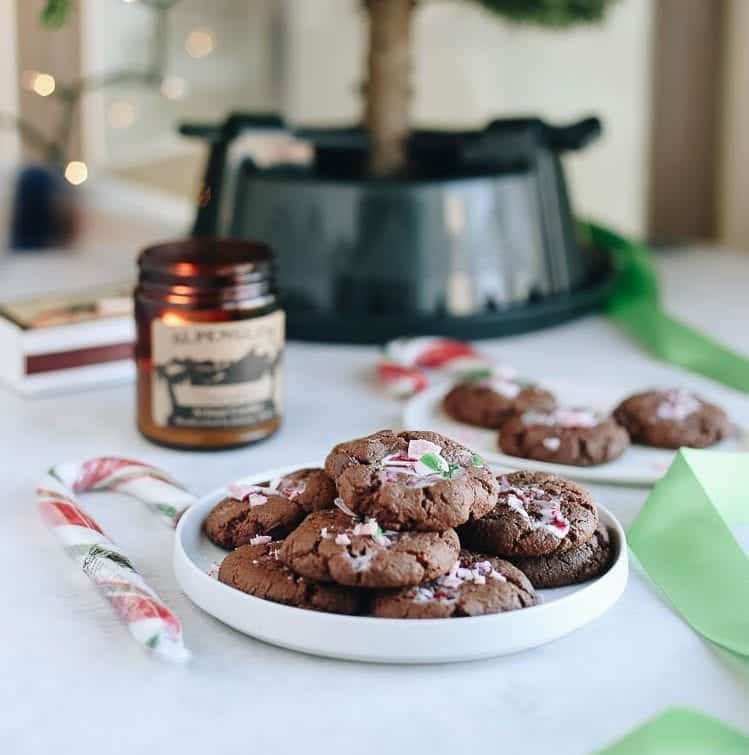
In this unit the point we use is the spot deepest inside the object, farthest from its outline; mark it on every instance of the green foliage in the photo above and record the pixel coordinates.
(550, 12)
(546, 12)
(54, 13)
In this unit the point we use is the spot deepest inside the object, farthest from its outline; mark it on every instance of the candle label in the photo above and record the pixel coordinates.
(220, 374)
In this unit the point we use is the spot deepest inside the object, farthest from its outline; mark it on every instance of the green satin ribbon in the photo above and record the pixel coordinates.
(678, 731)
(682, 538)
(635, 306)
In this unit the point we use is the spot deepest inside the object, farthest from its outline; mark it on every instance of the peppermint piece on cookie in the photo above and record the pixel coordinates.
(249, 511)
(536, 514)
(671, 419)
(477, 584)
(332, 546)
(587, 561)
(411, 480)
(311, 488)
(490, 401)
(579, 437)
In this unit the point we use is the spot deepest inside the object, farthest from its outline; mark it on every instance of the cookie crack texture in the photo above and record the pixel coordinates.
(399, 504)
(506, 532)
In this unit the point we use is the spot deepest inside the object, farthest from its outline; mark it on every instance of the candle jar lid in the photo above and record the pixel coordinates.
(206, 266)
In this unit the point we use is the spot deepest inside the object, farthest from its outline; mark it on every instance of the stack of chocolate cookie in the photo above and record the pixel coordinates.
(547, 526)
(253, 520)
(415, 487)
(372, 533)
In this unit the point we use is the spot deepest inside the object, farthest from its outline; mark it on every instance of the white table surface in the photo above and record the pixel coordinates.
(71, 680)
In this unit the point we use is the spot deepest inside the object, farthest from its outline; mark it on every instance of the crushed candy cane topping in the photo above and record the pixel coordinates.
(255, 495)
(260, 539)
(504, 381)
(213, 569)
(567, 418)
(539, 508)
(417, 448)
(505, 388)
(291, 489)
(420, 466)
(446, 588)
(368, 528)
(676, 405)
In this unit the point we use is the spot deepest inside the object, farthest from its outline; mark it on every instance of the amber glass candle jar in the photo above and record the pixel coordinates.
(210, 336)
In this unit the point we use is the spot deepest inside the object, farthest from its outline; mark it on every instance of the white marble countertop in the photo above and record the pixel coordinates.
(71, 679)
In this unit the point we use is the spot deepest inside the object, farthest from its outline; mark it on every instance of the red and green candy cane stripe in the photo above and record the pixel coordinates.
(403, 373)
(149, 620)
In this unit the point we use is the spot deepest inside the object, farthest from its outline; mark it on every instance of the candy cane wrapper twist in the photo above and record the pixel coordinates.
(403, 373)
(147, 618)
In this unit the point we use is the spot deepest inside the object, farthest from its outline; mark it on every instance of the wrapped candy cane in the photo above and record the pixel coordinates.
(400, 381)
(147, 618)
(429, 351)
(407, 359)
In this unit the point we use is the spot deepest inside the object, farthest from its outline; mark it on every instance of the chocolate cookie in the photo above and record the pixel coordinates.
(311, 488)
(579, 437)
(333, 547)
(488, 402)
(476, 585)
(536, 514)
(249, 511)
(589, 560)
(412, 480)
(257, 570)
(671, 419)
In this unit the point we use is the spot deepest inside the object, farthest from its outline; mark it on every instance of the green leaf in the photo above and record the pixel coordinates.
(550, 12)
(477, 461)
(55, 13)
(434, 462)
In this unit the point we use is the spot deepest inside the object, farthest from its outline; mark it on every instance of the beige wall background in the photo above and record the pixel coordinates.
(237, 75)
(733, 181)
(8, 75)
(472, 67)
(657, 71)
(306, 59)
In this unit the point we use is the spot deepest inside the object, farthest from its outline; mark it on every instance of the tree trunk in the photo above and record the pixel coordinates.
(388, 89)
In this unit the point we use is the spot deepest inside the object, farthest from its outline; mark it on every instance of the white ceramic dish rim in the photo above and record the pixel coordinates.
(618, 572)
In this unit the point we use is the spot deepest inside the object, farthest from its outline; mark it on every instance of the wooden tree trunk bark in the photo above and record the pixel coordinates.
(388, 88)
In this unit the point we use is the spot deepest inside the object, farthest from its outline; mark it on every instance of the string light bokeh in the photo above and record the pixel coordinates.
(122, 113)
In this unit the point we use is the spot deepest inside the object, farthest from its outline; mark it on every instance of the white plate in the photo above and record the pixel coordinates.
(361, 638)
(638, 465)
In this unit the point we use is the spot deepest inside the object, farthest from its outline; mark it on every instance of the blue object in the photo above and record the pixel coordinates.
(43, 213)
